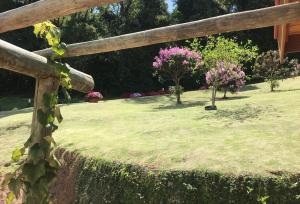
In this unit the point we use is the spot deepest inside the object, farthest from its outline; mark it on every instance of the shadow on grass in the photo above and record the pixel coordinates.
(240, 114)
(288, 90)
(249, 88)
(232, 98)
(147, 99)
(17, 126)
(181, 106)
(4, 114)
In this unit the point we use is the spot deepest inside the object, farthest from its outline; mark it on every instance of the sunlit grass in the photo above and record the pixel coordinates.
(253, 132)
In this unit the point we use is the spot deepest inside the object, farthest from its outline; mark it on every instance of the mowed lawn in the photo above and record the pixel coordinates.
(253, 132)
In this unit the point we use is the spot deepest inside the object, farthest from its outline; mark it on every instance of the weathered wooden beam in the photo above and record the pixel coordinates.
(44, 10)
(22, 61)
(259, 18)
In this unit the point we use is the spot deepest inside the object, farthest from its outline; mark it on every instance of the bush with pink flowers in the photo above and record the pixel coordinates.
(93, 97)
(225, 77)
(174, 63)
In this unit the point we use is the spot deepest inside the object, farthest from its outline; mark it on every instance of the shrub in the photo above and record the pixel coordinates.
(226, 77)
(99, 181)
(174, 63)
(93, 96)
(269, 67)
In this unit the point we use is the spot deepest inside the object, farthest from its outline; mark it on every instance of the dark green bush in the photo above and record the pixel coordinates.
(106, 182)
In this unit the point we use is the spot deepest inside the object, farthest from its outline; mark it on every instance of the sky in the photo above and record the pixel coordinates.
(170, 5)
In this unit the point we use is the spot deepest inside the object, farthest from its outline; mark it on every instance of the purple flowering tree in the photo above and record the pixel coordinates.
(173, 64)
(225, 77)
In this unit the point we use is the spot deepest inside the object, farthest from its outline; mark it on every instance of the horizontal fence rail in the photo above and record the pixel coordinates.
(253, 19)
(24, 62)
(42, 10)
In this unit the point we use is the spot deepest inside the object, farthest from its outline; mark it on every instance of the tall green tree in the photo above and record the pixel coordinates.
(190, 10)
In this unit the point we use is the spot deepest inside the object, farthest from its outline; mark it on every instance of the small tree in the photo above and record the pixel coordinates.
(226, 77)
(223, 49)
(173, 64)
(269, 67)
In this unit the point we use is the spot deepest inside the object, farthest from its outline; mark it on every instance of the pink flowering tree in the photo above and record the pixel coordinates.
(225, 77)
(173, 64)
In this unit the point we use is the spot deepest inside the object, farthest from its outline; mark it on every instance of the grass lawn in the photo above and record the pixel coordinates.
(254, 132)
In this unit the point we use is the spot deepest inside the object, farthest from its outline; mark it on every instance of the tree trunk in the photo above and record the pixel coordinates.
(178, 98)
(213, 98)
(225, 92)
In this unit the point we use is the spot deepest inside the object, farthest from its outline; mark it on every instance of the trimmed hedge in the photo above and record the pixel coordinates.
(100, 181)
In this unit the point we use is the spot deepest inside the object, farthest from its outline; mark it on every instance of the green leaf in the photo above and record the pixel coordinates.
(36, 153)
(10, 197)
(58, 115)
(28, 142)
(60, 49)
(42, 117)
(50, 100)
(51, 178)
(54, 128)
(33, 172)
(16, 155)
(37, 29)
(15, 186)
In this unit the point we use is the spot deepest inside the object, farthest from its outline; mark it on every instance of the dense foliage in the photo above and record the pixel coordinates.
(227, 77)
(174, 63)
(122, 183)
(226, 50)
(127, 71)
(269, 67)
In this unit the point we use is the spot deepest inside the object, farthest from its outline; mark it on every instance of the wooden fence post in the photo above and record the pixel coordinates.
(47, 85)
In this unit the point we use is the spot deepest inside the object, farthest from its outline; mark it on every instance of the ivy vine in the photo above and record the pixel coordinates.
(37, 172)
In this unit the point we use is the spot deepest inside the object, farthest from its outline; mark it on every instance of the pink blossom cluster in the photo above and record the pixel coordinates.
(226, 76)
(165, 55)
(94, 95)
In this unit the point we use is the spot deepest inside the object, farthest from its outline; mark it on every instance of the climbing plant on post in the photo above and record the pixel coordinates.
(37, 172)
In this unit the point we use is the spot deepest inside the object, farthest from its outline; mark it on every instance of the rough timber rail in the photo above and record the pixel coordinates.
(24, 62)
(259, 18)
(42, 10)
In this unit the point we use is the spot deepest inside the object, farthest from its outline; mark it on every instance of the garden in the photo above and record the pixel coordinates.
(219, 124)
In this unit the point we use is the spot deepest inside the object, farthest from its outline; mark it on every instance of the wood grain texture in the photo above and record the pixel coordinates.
(259, 18)
(22, 61)
(48, 85)
(44, 10)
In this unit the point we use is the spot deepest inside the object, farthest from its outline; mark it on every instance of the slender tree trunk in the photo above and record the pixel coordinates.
(177, 90)
(178, 99)
(213, 98)
(225, 92)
